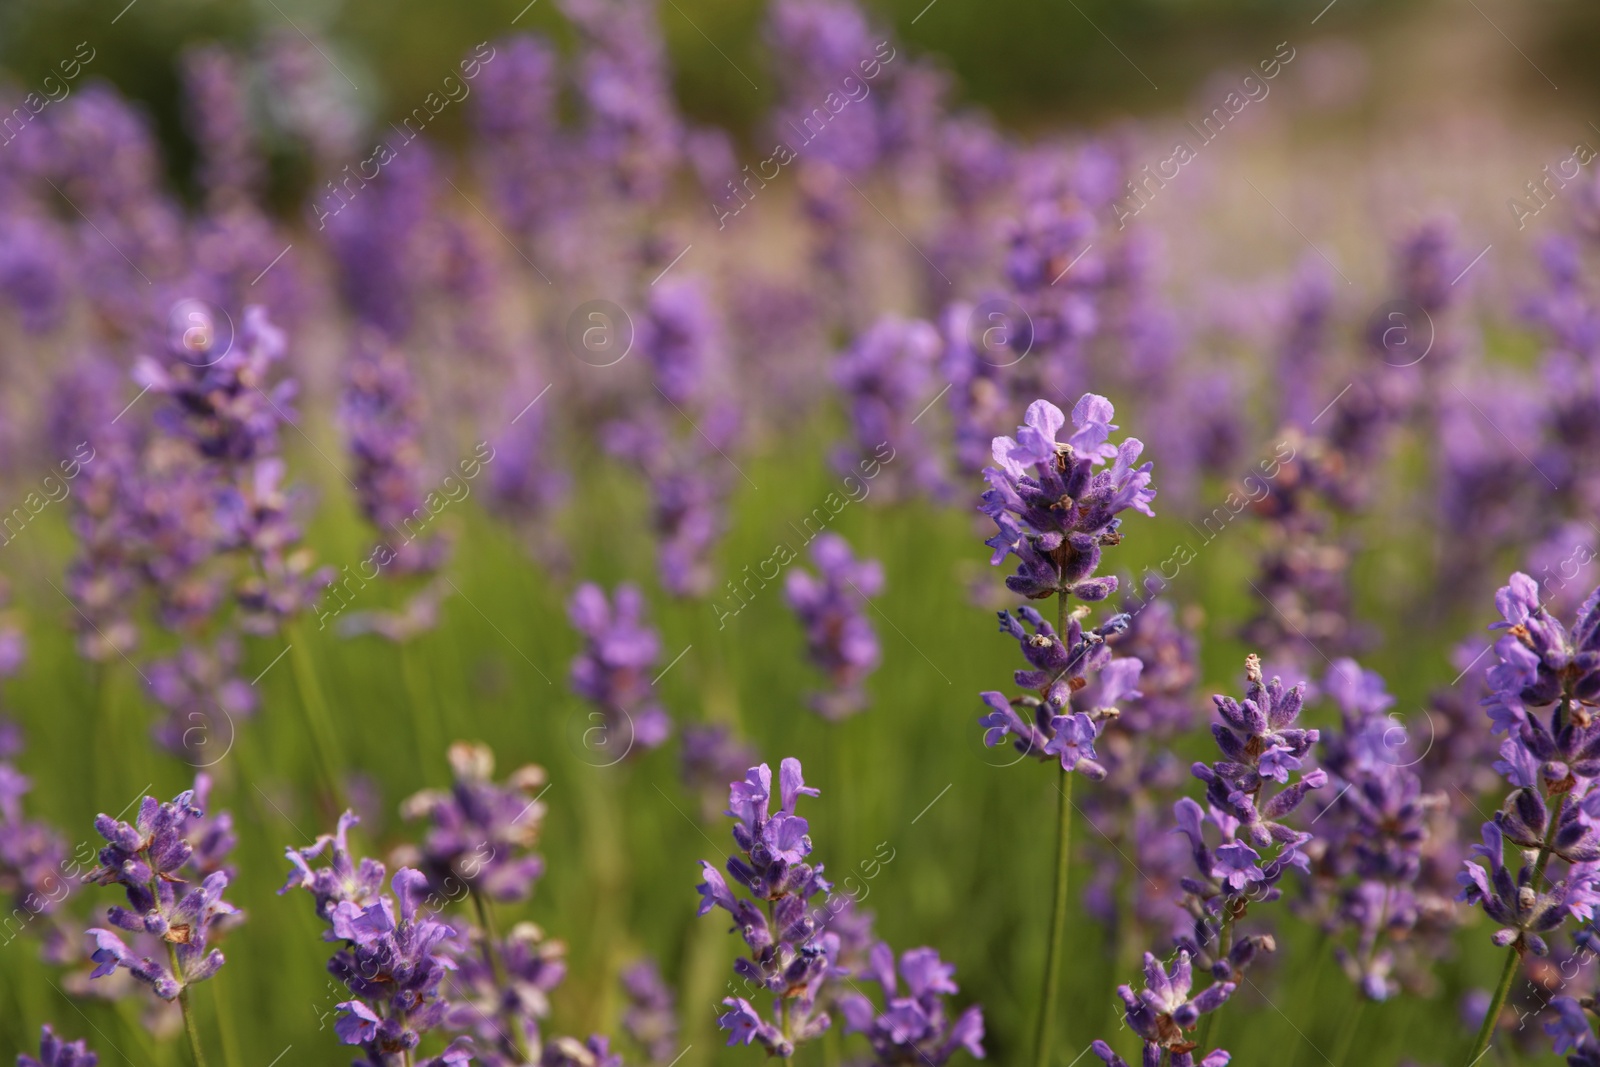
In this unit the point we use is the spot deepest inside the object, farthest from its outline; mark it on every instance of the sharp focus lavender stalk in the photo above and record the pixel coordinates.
(1055, 511)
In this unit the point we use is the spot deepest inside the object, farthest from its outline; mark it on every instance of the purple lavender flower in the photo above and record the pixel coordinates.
(393, 964)
(789, 956)
(1164, 1010)
(681, 336)
(650, 1019)
(913, 1028)
(481, 833)
(1053, 509)
(1551, 763)
(149, 858)
(839, 637)
(54, 1052)
(1572, 1032)
(32, 855)
(1062, 726)
(519, 146)
(230, 166)
(613, 669)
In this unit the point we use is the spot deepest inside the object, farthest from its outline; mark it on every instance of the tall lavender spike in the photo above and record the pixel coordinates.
(520, 149)
(839, 636)
(171, 863)
(1545, 679)
(54, 1052)
(1260, 743)
(790, 957)
(613, 669)
(393, 964)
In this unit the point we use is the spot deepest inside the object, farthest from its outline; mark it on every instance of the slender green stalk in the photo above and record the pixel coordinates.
(1514, 954)
(318, 719)
(1207, 1021)
(230, 1037)
(1058, 925)
(1044, 1036)
(189, 1027)
(491, 956)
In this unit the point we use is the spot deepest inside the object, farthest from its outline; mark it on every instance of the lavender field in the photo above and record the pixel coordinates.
(614, 533)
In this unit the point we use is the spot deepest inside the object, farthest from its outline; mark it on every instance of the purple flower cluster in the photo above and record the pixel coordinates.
(392, 963)
(481, 833)
(790, 957)
(612, 671)
(1164, 1010)
(1053, 508)
(650, 1019)
(886, 378)
(839, 637)
(914, 1027)
(1541, 688)
(168, 860)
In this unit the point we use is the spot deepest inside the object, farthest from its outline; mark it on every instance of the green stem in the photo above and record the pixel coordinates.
(1224, 945)
(189, 1027)
(1514, 953)
(1058, 925)
(318, 719)
(491, 956)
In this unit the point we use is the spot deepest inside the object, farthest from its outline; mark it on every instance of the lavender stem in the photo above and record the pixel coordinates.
(315, 707)
(1058, 916)
(188, 1014)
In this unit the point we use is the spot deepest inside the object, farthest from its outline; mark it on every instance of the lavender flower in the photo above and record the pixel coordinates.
(613, 670)
(481, 833)
(230, 165)
(839, 636)
(1551, 763)
(32, 855)
(1572, 1031)
(486, 1000)
(393, 966)
(149, 858)
(912, 1028)
(54, 1052)
(1053, 509)
(1163, 1010)
(711, 758)
(1060, 668)
(650, 1019)
(789, 957)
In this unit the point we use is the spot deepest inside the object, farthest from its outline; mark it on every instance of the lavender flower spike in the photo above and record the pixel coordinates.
(170, 894)
(839, 636)
(790, 957)
(54, 1052)
(1163, 1012)
(1053, 507)
(913, 1027)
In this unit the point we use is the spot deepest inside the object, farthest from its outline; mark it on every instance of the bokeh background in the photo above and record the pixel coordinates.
(1393, 113)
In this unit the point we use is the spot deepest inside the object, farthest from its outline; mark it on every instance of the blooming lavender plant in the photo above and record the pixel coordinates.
(1163, 1011)
(1542, 686)
(392, 963)
(790, 958)
(156, 860)
(839, 637)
